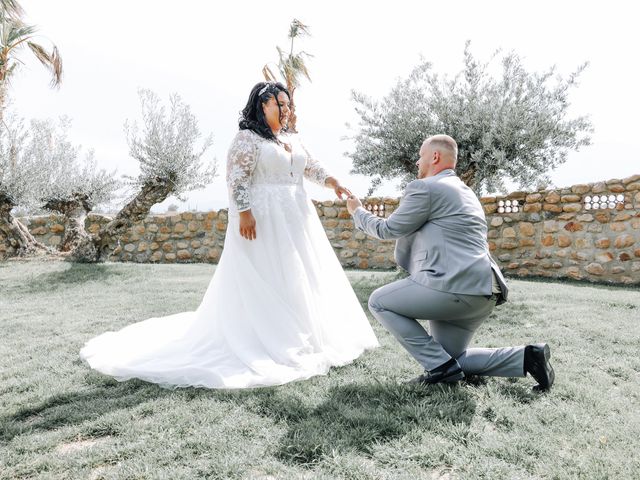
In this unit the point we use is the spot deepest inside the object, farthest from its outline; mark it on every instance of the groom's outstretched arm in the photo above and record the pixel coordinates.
(413, 213)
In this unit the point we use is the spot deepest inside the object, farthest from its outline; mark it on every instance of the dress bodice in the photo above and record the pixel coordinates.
(253, 160)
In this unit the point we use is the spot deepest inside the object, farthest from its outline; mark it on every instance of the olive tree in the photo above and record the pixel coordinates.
(67, 183)
(170, 161)
(513, 125)
(17, 171)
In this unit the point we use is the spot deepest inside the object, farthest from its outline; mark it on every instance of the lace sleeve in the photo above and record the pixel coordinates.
(314, 171)
(241, 161)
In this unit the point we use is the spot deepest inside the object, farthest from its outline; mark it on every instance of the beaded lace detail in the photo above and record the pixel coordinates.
(253, 160)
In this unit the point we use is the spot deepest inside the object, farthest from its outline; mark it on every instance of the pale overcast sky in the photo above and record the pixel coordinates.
(212, 53)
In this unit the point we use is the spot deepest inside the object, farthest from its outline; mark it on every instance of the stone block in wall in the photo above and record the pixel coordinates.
(552, 197)
(552, 207)
(582, 256)
(617, 188)
(624, 241)
(184, 254)
(617, 270)
(343, 213)
(526, 229)
(533, 198)
(564, 241)
(595, 269)
(631, 179)
(331, 223)
(571, 198)
(603, 217)
(532, 207)
(573, 227)
(508, 232)
(490, 208)
(604, 257)
(621, 217)
(633, 186)
(624, 257)
(527, 242)
(170, 257)
(547, 240)
(617, 227)
(583, 242)
(550, 226)
(156, 256)
(581, 189)
(603, 242)
(572, 207)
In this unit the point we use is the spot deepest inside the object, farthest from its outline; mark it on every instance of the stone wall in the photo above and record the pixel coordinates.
(561, 233)
(199, 237)
(548, 233)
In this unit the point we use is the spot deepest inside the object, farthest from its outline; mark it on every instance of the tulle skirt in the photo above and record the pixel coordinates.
(278, 309)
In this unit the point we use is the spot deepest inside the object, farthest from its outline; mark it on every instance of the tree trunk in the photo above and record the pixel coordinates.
(469, 176)
(291, 127)
(75, 212)
(15, 234)
(97, 248)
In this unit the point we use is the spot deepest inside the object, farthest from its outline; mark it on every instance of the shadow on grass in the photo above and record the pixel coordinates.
(75, 408)
(76, 274)
(357, 417)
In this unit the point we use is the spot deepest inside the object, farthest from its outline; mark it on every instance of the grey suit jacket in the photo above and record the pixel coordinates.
(442, 236)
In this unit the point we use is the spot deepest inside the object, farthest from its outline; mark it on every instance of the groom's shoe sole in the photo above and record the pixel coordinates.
(536, 364)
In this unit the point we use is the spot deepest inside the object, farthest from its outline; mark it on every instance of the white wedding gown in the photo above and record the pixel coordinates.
(278, 308)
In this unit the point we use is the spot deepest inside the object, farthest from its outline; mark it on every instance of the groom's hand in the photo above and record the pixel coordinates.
(352, 203)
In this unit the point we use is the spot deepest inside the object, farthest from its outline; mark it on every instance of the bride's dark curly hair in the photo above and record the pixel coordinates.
(252, 115)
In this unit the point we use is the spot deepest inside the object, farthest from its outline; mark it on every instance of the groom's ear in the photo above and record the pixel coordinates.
(436, 157)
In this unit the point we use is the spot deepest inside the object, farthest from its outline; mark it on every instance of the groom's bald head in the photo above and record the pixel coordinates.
(446, 146)
(437, 153)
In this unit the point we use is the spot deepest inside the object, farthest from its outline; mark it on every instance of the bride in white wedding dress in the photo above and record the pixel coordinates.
(279, 307)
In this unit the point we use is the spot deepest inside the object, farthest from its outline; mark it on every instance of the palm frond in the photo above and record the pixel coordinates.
(52, 61)
(268, 74)
(298, 29)
(17, 33)
(11, 8)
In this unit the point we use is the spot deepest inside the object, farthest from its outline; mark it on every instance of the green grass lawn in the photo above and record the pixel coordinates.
(58, 419)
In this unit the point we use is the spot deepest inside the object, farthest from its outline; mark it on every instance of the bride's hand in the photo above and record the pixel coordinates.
(247, 225)
(339, 189)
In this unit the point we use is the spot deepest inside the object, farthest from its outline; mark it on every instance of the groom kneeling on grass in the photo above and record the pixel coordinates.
(454, 283)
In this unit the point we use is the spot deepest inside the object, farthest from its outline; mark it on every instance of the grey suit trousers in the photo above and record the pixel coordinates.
(452, 320)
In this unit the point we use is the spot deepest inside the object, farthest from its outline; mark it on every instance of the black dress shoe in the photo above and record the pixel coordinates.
(536, 364)
(448, 372)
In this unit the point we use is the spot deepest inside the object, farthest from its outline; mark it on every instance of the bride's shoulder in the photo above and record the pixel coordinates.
(247, 134)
